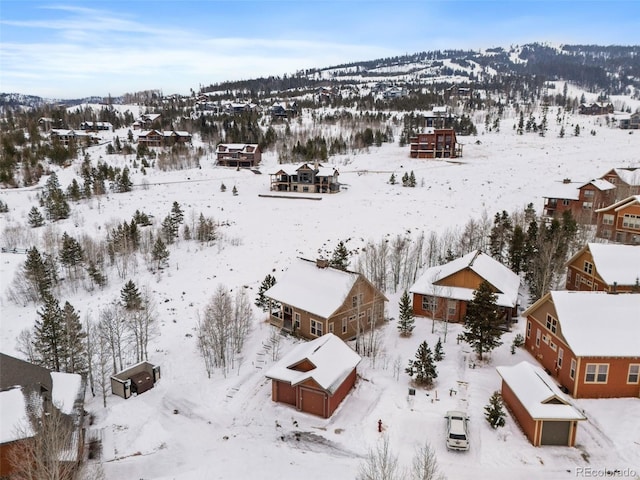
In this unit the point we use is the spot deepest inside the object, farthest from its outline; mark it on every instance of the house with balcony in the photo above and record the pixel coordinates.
(435, 143)
(606, 267)
(595, 108)
(313, 298)
(620, 221)
(439, 117)
(305, 178)
(244, 155)
(587, 341)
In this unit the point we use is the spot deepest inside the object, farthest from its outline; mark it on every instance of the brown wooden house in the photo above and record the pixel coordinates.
(435, 143)
(626, 181)
(315, 376)
(595, 108)
(544, 413)
(587, 341)
(442, 292)
(606, 267)
(244, 155)
(313, 299)
(151, 138)
(620, 221)
(581, 200)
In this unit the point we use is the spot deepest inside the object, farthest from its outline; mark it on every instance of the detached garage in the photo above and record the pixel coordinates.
(544, 413)
(136, 379)
(315, 376)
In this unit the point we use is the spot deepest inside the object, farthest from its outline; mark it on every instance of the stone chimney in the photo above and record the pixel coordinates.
(322, 263)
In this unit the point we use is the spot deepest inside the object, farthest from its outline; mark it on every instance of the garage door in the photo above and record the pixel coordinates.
(312, 402)
(555, 433)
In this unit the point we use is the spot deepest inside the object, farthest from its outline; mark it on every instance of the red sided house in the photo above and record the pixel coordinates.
(620, 222)
(580, 199)
(238, 155)
(313, 299)
(588, 342)
(28, 391)
(544, 413)
(151, 138)
(315, 376)
(442, 292)
(607, 267)
(435, 143)
(626, 181)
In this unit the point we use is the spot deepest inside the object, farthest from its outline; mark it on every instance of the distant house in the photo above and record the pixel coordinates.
(595, 108)
(620, 222)
(561, 197)
(605, 267)
(175, 136)
(394, 92)
(28, 390)
(45, 123)
(588, 342)
(238, 107)
(457, 91)
(313, 299)
(238, 154)
(316, 376)
(580, 199)
(544, 413)
(305, 178)
(147, 121)
(96, 126)
(282, 110)
(136, 379)
(151, 138)
(67, 137)
(435, 143)
(626, 181)
(631, 122)
(439, 117)
(442, 292)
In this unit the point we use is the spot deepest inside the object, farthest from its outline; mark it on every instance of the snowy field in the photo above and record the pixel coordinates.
(193, 427)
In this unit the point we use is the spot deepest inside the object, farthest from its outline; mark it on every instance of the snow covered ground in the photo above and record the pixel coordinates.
(193, 427)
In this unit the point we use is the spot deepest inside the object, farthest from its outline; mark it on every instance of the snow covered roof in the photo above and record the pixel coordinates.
(66, 389)
(598, 324)
(319, 291)
(536, 390)
(563, 190)
(14, 420)
(225, 147)
(615, 263)
(600, 184)
(333, 359)
(630, 176)
(504, 280)
(633, 199)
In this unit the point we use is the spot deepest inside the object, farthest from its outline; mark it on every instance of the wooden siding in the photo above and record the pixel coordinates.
(617, 232)
(528, 425)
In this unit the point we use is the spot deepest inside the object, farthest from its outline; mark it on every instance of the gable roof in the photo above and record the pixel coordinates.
(614, 263)
(333, 359)
(596, 324)
(319, 291)
(14, 416)
(504, 280)
(629, 175)
(564, 190)
(626, 202)
(537, 393)
(600, 184)
(236, 147)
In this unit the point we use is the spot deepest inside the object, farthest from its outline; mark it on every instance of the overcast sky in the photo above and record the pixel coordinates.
(72, 49)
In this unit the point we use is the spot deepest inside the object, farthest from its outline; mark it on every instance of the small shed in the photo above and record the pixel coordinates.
(544, 413)
(315, 376)
(136, 379)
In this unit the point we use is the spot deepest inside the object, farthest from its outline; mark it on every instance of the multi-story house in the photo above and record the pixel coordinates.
(605, 267)
(305, 178)
(620, 221)
(435, 143)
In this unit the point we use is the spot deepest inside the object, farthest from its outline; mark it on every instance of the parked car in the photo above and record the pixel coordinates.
(457, 431)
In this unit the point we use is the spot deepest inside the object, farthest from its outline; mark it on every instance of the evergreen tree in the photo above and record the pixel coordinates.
(177, 216)
(234, 190)
(516, 249)
(75, 360)
(186, 232)
(562, 132)
(4, 208)
(483, 320)
(141, 218)
(169, 229)
(261, 302)
(412, 179)
(438, 352)
(223, 187)
(36, 274)
(71, 254)
(35, 218)
(405, 179)
(130, 296)
(406, 319)
(340, 257)
(494, 411)
(95, 274)
(500, 235)
(53, 200)
(49, 335)
(521, 124)
(205, 230)
(73, 191)
(576, 131)
(160, 254)
(423, 367)
(392, 179)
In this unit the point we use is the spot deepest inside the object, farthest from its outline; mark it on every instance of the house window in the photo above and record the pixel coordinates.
(428, 303)
(552, 323)
(560, 356)
(607, 219)
(588, 267)
(331, 327)
(596, 373)
(577, 282)
(538, 335)
(634, 373)
(529, 329)
(316, 328)
(589, 193)
(631, 221)
(296, 317)
(356, 300)
(572, 370)
(553, 346)
(587, 205)
(451, 307)
(565, 202)
(344, 325)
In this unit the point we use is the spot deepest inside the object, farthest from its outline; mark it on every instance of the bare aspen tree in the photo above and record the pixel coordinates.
(214, 330)
(242, 317)
(24, 344)
(425, 464)
(112, 329)
(380, 464)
